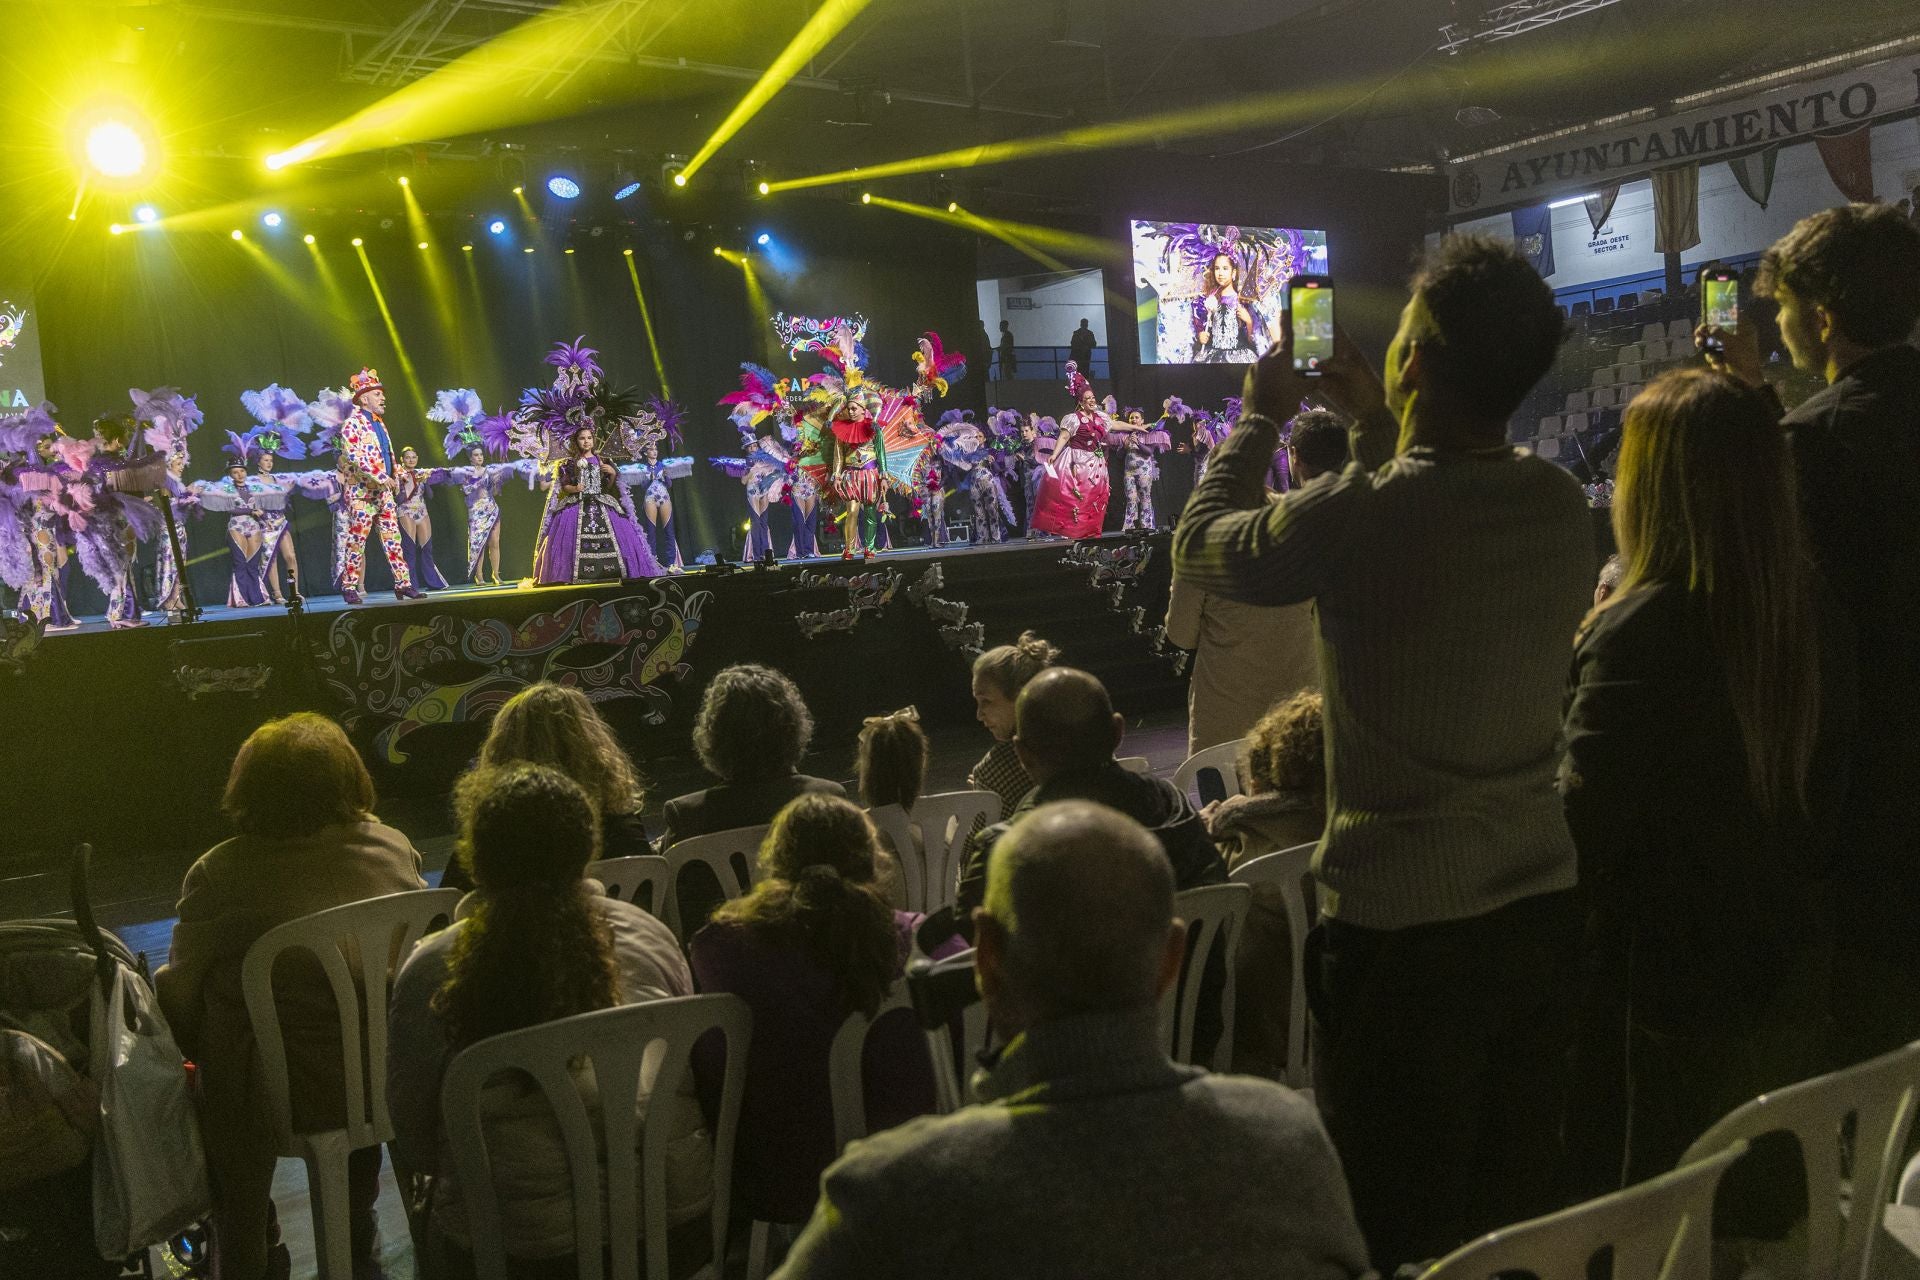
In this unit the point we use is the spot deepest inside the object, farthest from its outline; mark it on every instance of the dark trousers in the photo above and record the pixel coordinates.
(1440, 1063)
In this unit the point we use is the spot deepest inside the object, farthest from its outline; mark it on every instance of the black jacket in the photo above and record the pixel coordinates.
(744, 804)
(1856, 445)
(1154, 803)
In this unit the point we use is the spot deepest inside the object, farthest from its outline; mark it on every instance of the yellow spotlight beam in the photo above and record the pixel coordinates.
(393, 332)
(1251, 112)
(330, 282)
(438, 284)
(646, 320)
(1012, 234)
(281, 278)
(828, 21)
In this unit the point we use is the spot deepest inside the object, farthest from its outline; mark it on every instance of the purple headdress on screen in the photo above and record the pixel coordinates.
(283, 420)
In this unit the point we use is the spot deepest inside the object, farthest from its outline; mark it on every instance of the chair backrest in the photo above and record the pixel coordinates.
(1602, 306)
(1680, 327)
(1289, 871)
(846, 1067)
(351, 942)
(1605, 376)
(1655, 1229)
(1631, 373)
(1548, 448)
(1576, 401)
(1221, 763)
(619, 1042)
(1628, 300)
(1214, 914)
(1575, 422)
(896, 831)
(1628, 354)
(946, 822)
(1878, 1097)
(1653, 349)
(946, 1001)
(1651, 330)
(1603, 397)
(1550, 426)
(733, 857)
(641, 880)
(1582, 308)
(1138, 764)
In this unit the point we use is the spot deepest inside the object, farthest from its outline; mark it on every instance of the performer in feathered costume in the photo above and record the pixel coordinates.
(580, 425)
(416, 521)
(965, 447)
(473, 437)
(1139, 446)
(654, 475)
(115, 522)
(283, 420)
(35, 542)
(1209, 432)
(761, 415)
(331, 408)
(1074, 489)
(366, 469)
(169, 418)
(234, 496)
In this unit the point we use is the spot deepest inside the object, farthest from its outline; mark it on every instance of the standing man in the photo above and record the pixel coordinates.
(367, 474)
(1081, 344)
(1009, 358)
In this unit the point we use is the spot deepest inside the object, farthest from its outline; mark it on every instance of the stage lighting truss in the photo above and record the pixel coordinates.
(562, 187)
(1516, 18)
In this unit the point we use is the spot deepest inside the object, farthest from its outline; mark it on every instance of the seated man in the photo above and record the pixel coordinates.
(1066, 732)
(1089, 1154)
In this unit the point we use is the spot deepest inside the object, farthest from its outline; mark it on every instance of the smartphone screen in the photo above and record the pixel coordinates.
(1310, 302)
(1721, 300)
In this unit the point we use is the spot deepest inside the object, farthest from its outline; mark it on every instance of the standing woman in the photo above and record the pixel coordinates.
(654, 476)
(283, 419)
(473, 436)
(1074, 488)
(234, 498)
(1706, 749)
(587, 534)
(1138, 444)
(416, 522)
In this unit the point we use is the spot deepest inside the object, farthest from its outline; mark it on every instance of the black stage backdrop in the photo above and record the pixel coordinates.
(214, 317)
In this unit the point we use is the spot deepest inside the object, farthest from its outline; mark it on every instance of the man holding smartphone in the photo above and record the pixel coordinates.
(1449, 572)
(1847, 282)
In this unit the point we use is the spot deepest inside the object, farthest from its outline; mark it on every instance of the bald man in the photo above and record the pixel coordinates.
(1089, 1152)
(1065, 733)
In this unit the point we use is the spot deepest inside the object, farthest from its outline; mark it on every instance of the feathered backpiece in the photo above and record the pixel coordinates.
(168, 416)
(462, 411)
(548, 417)
(937, 366)
(821, 336)
(327, 411)
(759, 395)
(575, 362)
(1004, 424)
(955, 418)
(1077, 383)
(1208, 430)
(1176, 408)
(668, 417)
(283, 420)
(20, 433)
(1230, 411)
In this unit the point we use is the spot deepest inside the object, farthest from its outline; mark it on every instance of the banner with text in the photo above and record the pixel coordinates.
(1580, 162)
(21, 385)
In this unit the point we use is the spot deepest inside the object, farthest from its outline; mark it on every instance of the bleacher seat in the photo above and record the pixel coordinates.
(1605, 397)
(1680, 327)
(1654, 350)
(1575, 422)
(1651, 295)
(1652, 331)
(1550, 426)
(1605, 376)
(1582, 308)
(1628, 391)
(1602, 306)
(1628, 301)
(1628, 354)
(1548, 448)
(1631, 373)
(1576, 401)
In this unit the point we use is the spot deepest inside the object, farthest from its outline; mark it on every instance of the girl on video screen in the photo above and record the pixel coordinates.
(1226, 326)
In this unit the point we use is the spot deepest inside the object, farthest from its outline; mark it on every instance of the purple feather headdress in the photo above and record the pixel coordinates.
(1004, 422)
(461, 410)
(20, 432)
(239, 447)
(1230, 410)
(1177, 409)
(283, 419)
(955, 418)
(328, 410)
(170, 416)
(575, 358)
(669, 415)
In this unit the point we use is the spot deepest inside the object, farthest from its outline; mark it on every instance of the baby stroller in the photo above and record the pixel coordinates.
(54, 977)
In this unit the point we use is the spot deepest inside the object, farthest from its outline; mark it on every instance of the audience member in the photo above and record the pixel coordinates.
(751, 733)
(534, 943)
(559, 727)
(999, 675)
(1284, 771)
(1090, 1153)
(1247, 657)
(303, 804)
(1847, 283)
(891, 765)
(1448, 581)
(1066, 732)
(813, 943)
(1609, 580)
(1698, 801)
(1080, 347)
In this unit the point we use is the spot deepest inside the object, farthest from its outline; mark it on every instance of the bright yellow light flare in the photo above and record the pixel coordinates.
(307, 238)
(237, 234)
(828, 21)
(115, 149)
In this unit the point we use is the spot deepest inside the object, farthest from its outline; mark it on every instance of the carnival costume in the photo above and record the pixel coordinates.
(240, 502)
(654, 475)
(1140, 469)
(327, 412)
(969, 450)
(170, 418)
(410, 508)
(1074, 489)
(588, 532)
(367, 475)
(33, 538)
(761, 415)
(102, 523)
(283, 419)
(471, 429)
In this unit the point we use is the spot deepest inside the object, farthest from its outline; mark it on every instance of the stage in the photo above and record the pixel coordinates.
(124, 737)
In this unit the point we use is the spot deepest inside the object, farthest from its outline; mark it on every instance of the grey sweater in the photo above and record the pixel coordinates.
(1092, 1154)
(1448, 586)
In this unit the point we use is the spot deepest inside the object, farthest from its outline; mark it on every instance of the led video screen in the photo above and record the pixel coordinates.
(1214, 293)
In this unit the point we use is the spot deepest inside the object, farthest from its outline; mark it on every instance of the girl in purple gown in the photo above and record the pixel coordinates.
(588, 533)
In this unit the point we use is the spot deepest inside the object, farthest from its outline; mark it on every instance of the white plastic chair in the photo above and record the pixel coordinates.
(1222, 761)
(353, 944)
(1138, 764)
(1657, 1229)
(1289, 871)
(1653, 331)
(1605, 376)
(949, 1089)
(946, 823)
(733, 857)
(641, 880)
(896, 830)
(1576, 402)
(1214, 913)
(1844, 1206)
(1680, 328)
(620, 1044)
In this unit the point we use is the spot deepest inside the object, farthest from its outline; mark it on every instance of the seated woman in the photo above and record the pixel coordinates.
(303, 804)
(533, 943)
(814, 942)
(559, 727)
(1285, 772)
(891, 764)
(999, 675)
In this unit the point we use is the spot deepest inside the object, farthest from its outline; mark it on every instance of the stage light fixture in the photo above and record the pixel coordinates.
(679, 179)
(497, 227)
(114, 229)
(763, 239)
(953, 206)
(386, 224)
(307, 238)
(766, 189)
(116, 149)
(866, 197)
(626, 253)
(422, 244)
(519, 190)
(528, 249)
(466, 248)
(357, 242)
(568, 250)
(718, 251)
(405, 181)
(237, 234)
(563, 187)
(146, 213)
(625, 184)
(271, 219)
